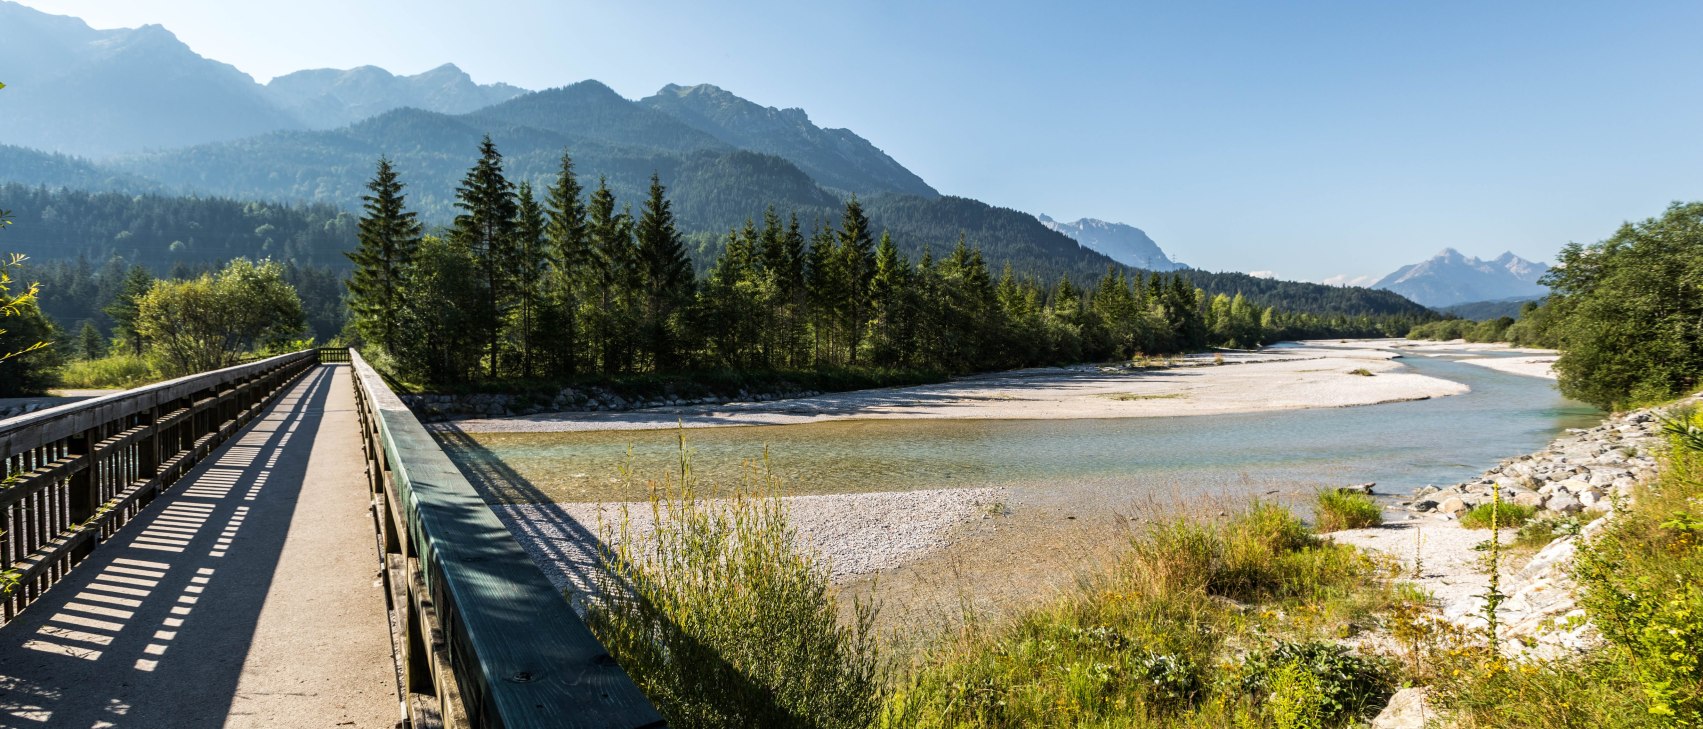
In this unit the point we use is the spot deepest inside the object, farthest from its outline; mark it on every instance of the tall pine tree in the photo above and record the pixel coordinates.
(486, 228)
(571, 269)
(531, 265)
(389, 236)
(667, 277)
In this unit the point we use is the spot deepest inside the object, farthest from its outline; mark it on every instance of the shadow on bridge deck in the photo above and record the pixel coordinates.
(246, 596)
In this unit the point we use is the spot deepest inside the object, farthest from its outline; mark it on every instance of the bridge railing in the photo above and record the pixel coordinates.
(482, 639)
(77, 473)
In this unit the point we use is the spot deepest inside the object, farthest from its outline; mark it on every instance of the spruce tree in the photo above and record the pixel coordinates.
(486, 229)
(611, 235)
(667, 276)
(571, 268)
(857, 265)
(126, 306)
(389, 236)
(531, 265)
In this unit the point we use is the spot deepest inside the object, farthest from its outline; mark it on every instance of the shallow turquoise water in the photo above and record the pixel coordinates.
(1399, 445)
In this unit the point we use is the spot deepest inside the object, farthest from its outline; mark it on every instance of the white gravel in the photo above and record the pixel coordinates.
(856, 534)
(1540, 366)
(1294, 376)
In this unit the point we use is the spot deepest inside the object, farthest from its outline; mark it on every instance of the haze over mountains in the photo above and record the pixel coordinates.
(1125, 244)
(1451, 278)
(157, 118)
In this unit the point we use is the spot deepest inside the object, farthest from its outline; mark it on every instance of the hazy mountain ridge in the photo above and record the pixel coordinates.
(71, 88)
(327, 98)
(1451, 278)
(836, 158)
(1123, 243)
(98, 93)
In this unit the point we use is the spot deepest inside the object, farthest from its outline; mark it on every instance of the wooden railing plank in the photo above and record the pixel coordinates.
(82, 471)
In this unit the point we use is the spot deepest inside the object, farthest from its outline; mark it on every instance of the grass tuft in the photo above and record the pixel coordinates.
(1509, 515)
(1361, 371)
(1336, 510)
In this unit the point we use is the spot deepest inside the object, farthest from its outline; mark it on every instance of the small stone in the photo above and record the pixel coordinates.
(1452, 505)
(1528, 498)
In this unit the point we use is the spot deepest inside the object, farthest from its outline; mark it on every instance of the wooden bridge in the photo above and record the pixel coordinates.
(275, 544)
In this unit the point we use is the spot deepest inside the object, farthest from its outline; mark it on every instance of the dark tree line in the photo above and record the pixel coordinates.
(572, 283)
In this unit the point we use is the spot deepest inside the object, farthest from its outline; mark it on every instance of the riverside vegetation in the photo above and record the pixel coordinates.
(1248, 619)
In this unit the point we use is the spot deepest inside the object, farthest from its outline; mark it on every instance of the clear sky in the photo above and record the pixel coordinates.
(1306, 139)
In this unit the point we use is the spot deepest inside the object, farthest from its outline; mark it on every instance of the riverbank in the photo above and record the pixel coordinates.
(1298, 376)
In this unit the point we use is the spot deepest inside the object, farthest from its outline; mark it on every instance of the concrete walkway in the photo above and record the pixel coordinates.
(245, 597)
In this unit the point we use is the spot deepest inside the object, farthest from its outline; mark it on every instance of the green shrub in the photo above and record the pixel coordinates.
(1361, 371)
(115, 372)
(1313, 684)
(1510, 515)
(724, 623)
(1336, 510)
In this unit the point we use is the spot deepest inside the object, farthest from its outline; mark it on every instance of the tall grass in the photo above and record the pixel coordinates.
(725, 623)
(1502, 513)
(1157, 640)
(1335, 510)
(113, 372)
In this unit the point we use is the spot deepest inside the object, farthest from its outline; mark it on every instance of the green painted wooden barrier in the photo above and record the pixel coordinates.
(482, 637)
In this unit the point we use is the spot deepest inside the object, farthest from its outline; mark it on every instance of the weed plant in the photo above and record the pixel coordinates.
(724, 622)
(1336, 510)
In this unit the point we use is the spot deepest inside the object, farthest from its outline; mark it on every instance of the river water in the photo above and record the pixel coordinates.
(1399, 445)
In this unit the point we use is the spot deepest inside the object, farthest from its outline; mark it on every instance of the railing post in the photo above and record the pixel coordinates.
(84, 488)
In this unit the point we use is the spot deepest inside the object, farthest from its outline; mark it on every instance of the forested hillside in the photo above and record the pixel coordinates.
(164, 231)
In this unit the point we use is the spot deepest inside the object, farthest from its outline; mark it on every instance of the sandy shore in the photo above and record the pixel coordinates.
(1539, 366)
(1305, 375)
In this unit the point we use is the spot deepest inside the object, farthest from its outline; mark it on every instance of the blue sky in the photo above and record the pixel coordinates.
(1306, 139)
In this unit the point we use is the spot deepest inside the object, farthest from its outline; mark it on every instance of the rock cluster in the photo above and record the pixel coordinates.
(1583, 471)
(25, 409)
(570, 399)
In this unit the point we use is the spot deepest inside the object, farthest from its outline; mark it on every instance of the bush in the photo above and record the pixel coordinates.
(1510, 515)
(1336, 510)
(115, 372)
(1315, 684)
(724, 623)
(1361, 371)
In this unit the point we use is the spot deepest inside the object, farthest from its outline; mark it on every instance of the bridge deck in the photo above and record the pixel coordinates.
(245, 596)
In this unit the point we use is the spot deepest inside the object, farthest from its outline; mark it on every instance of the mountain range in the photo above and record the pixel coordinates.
(1125, 244)
(97, 93)
(134, 111)
(1451, 278)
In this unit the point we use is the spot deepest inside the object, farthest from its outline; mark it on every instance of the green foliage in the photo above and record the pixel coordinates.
(1315, 684)
(119, 371)
(389, 235)
(66, 224)
(211, 321)
(26, 355)
(1626, 308)
(1335, 510)
(1154, 641)
(1505, 515)
(723, 622)
(1641, 585)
